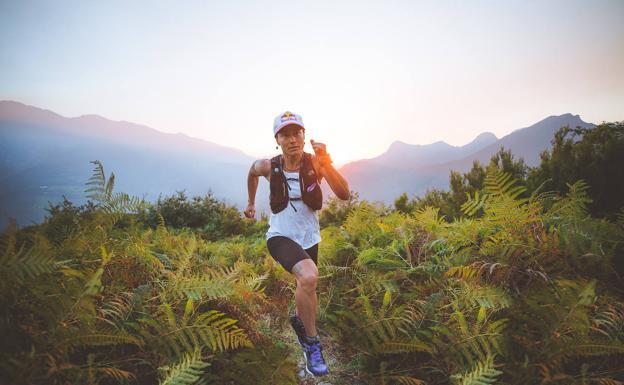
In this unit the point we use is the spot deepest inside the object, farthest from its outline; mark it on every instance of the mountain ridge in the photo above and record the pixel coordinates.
(416, 179)
(479, 137)
(42, 148)
(403, 155)
(102, 127)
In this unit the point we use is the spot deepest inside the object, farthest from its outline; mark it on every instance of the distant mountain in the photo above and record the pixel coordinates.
(403, 155)
(416, 168)
(44, 155)
(118, 132)
(528, 142)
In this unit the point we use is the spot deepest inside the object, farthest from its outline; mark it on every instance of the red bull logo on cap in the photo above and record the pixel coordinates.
(288, 116)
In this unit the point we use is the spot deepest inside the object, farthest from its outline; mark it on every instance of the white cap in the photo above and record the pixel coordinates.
(285, 119)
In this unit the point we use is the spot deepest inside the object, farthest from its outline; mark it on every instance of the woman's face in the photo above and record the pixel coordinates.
(291, 138)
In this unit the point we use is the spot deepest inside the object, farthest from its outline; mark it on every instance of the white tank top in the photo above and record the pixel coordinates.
(302, 226)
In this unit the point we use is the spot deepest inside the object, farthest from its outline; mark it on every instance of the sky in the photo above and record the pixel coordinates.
(361, 73)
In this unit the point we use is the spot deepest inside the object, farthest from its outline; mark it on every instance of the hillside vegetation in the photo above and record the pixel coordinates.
(513, 276)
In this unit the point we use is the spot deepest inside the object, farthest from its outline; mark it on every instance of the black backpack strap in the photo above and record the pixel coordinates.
(311, 186)
(309, 166)
(276, 165)
(277, 170)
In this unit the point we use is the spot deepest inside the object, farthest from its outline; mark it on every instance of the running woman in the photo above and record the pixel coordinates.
(294, 234)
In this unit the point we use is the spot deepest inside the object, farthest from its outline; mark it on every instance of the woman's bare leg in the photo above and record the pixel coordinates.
(305, 296)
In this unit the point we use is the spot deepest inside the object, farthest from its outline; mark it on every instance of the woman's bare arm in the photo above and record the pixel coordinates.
(261, 167)
(337, 183)
(322, 162)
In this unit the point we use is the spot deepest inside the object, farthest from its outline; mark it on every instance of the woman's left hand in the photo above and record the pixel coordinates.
(321, 152)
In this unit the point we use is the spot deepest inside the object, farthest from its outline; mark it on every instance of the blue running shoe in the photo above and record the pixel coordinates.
(314, 361)
(297, 325)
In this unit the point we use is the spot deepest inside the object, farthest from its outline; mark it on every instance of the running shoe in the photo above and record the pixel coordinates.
(314, 361)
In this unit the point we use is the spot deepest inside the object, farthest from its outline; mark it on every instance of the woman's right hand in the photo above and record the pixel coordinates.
(250, 211)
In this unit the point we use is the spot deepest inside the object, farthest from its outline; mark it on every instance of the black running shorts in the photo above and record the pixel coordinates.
(288, 252)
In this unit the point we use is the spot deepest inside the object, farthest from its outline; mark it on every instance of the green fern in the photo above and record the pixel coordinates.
(473, 204)
(464, 272)
(574, 204)
(116, 311)
(104, 338)
(254, 282)
(474, 295)
(186, 372)
(161, 227)
(100, 189)
(576, 349)
(26, 264)
(499, 183)
(200, 286)
(212, 283)
(379, 330)
(429, 218)
(116, 206)
(610, 321)
(484, 372)
(209, 329)
(406, 346)
(116, 374)
(380, 258)
(466, 339)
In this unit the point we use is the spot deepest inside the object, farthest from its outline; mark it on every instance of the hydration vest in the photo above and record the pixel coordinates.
(309, 184)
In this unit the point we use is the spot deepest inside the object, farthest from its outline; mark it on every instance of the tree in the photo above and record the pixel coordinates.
(213, 217)
(595, 155)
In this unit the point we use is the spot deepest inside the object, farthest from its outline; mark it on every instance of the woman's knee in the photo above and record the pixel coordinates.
(309, 281)
(306, 273)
